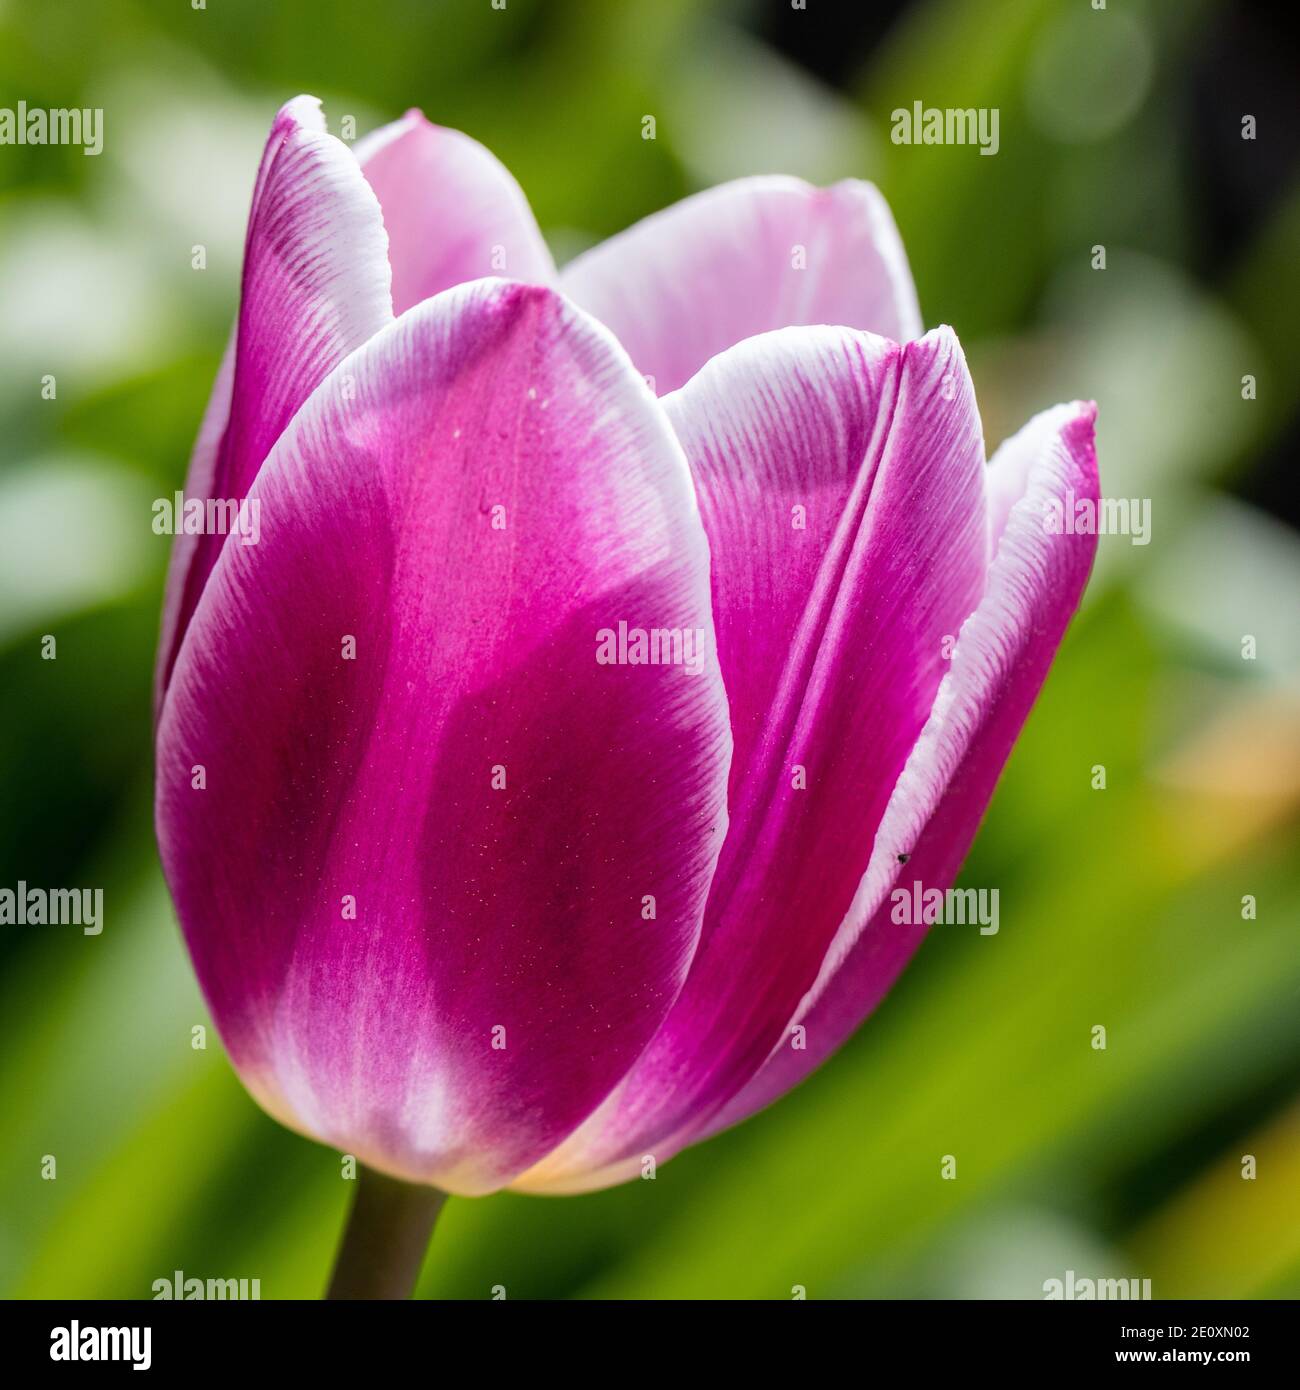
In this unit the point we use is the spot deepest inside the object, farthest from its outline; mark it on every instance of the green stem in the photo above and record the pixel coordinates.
(387, 1234)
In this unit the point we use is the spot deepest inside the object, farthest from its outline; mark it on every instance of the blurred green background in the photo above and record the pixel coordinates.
(1119, 907)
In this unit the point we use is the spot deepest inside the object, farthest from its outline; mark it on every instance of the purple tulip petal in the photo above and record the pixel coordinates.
(1035, 582)
(453, 211)
(315, 286)
(743, 258)
(832, 647)
(199, 482)
(328, 780)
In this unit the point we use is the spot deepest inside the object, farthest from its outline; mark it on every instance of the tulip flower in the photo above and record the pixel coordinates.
(616, 640)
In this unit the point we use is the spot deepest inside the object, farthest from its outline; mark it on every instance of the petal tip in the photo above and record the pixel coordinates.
(516, 296)
(304, 110)
(943, 336)
(852, 188)
(939, 350)
(411, 122)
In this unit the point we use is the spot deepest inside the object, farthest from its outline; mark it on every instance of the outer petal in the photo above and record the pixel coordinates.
(472, 496)
(743, 258)
(831, 641)
(315, 286)
(1035, 582)
(452, 209)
